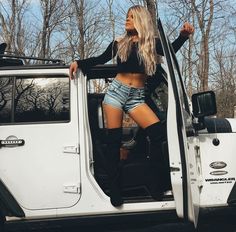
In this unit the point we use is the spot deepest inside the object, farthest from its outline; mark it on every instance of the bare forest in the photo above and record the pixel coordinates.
(77, 29)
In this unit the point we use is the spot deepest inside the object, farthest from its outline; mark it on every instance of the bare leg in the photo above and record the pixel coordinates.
(113, 116)
(143, 116)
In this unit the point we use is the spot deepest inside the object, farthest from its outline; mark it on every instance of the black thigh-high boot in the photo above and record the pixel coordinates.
(114, 137)
(158, 167)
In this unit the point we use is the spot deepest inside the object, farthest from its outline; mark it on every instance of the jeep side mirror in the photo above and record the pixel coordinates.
(204, 104)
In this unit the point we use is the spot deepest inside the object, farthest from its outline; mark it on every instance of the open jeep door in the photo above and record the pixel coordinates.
(183, 146)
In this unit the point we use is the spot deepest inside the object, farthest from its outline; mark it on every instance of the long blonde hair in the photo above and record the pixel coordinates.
(147, 46)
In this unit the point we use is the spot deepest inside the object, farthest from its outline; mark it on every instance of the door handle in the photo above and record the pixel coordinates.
(174, 169)
(12, 143)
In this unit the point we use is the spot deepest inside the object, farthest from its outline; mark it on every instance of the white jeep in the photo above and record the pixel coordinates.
(52, 144)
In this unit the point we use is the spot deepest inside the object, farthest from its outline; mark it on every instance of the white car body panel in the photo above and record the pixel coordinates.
(47, 178)
(216, 188)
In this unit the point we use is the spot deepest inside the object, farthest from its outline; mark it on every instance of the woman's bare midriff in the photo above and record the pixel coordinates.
(132, 79)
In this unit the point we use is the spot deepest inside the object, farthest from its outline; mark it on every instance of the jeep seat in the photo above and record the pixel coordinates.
(134, 170)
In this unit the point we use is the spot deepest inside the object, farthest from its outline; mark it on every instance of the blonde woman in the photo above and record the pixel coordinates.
(136, 55)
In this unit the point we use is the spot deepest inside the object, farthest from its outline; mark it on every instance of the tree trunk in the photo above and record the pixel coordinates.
(12, 25)
(79, 8)
(205, 22)
(152, 8)
(44, 36)
(189, 57)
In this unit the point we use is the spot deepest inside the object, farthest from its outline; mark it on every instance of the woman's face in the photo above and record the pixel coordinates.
(129, 23)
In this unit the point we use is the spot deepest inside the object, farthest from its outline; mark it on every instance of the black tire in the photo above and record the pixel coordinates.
(2, 222)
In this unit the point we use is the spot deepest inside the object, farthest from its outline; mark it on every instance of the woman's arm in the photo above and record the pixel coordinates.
(185, 31)
(177, 44)
(107, 55)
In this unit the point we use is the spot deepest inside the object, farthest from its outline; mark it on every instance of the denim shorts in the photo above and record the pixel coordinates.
(124, 97)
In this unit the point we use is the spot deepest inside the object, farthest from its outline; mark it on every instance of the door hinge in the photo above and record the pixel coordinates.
(72, 188)
(71, 149)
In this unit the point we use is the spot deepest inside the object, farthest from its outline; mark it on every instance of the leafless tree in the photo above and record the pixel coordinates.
(214, 28)
(22, 87)
(53, 13)
(204, 13)
(34, 97)
(92, 26)
(152, 7)
(5, 89)
(52, 98)
(12, 24)
(224, 81)
(111, 17)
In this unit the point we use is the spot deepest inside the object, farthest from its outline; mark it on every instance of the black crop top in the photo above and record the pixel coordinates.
(132, 64)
